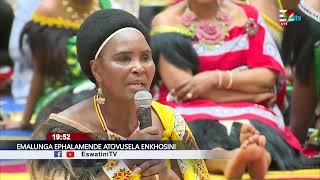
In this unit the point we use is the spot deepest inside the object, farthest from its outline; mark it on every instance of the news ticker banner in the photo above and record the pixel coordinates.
(90, 145)
(103, 150)
(105, 154)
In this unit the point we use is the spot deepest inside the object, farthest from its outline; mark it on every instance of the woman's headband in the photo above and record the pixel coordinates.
(111, 36)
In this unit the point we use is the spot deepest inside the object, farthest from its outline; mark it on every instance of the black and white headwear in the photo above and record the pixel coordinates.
(98, 29)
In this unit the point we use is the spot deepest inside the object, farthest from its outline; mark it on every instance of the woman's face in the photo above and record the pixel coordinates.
(124, 66)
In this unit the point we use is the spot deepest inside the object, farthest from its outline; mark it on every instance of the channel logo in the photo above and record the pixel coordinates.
(57, 153)
(287, 16)
(70, 154)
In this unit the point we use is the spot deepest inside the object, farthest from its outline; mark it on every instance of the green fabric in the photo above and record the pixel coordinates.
(72, 78)
(55, 88)
(72, 73)
(317, 67)
(105, 4)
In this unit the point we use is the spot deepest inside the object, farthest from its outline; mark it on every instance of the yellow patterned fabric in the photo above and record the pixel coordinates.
(176, 129)
(155, 2)
(60, 22)
(305, 174)
(164, 29)
(55, 21)
(117, 169)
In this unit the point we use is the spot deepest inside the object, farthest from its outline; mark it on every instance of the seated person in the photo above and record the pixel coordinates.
(114, 53)
(301, 50)
(219, 67)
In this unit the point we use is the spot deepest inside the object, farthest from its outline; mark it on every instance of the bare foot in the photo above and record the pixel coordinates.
(251, 156)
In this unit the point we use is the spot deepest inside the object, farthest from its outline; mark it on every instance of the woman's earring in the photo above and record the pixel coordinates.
(100, 98)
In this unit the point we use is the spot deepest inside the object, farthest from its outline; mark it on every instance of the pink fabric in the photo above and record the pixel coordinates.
(310, 152)
(13, 168)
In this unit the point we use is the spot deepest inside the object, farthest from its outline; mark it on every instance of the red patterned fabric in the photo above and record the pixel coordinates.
(238, 51)
(4, 75)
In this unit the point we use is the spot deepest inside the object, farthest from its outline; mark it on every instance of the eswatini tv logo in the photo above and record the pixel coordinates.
(287, 16)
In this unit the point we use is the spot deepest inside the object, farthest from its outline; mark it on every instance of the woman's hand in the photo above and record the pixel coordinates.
(264, 97)
(167, 174)
(149, 133)
(147, 168)
(268, 97)
(151, 168)
(196, 87)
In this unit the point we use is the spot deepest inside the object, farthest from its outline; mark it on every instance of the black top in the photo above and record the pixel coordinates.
(298, 45)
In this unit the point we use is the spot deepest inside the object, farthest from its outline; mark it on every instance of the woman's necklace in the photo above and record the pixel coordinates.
(111, 134)
(208, 32)
(79, 14)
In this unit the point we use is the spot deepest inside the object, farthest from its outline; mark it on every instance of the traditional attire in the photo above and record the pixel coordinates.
(92, 36)
(217, 124)
(59, 82)
(175, 129)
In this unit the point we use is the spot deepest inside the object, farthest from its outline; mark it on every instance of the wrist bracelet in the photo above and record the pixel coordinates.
(220, 79)
(230, 80)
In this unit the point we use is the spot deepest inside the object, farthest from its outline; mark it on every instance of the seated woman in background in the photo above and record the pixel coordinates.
(219, 67)
(301, 50)
(114, 53)
(56, 71)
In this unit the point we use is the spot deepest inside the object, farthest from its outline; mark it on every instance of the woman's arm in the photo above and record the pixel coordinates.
(304, 102)
(257, 80)
(260, 93)
(35, 92)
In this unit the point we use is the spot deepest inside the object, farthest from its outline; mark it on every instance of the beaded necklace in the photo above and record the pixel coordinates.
(111, 135)
(208, 32)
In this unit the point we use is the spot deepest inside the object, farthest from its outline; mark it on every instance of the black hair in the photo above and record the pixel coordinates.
(96, 28)
(6, 19)
(72, 169)
(48, 47)
(298, 45)
(177, 49)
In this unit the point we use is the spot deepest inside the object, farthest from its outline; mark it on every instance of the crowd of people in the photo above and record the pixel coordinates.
(218, 70)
